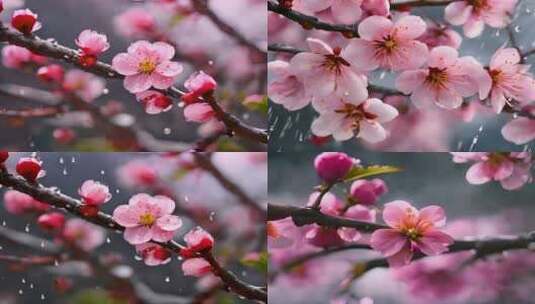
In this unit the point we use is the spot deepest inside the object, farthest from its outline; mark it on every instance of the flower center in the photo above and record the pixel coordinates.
(496, 76)
(356, 114)
(388, 44)
(413, 234)
(478, 5)
(437, 77)
(147, 66)
(334, 62)
(147, 219)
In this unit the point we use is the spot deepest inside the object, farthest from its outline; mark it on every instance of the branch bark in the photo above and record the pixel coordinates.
(73, 206)
(55, 50)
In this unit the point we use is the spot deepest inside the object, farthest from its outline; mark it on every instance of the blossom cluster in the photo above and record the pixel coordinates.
(334, 74)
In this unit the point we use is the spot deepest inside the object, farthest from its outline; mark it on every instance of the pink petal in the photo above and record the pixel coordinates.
(497, 100)
(319, 47)
(375, 28)
(361, 54)
(504, 170)
(169, 222)
(442, 57)
(519, 131)
(139, 47)
(125, 64)
(125, 217)
(395, 212)
(372, 132)
(160, 81)
(412, 55)
(166, 205)
(403, 257)
(408, 81)
(160, 235)
(387, 241)
(409, 27)
(278, 68)
(503, 56)
(348, 234)
(169, 68)
(326, 124)
(346, 11)
(423, 97)
(478, 174)
(164, 50)
(289, 92)
(138, 235)
(137, 83)
(196, 267)
(433, 214)
(383, 111)
(520, 176)
(434, 242)
(351, 87)
(199, 112)
(457, 13)
(449, 99)
(473, 27)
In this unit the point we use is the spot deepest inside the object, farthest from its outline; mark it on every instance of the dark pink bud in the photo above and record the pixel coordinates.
(51, 73)
(29, 168)
(64, 135)
(25, 21)
(51, 221)
(333, 166)
(4, 155)
(366, 192)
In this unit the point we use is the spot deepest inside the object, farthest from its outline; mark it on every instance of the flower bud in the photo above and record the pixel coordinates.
(4, 155)
(198, 84)
(51, 73)
(333, 166)
(94, 193)
(64, 135)
(51, 221)
(366, 192)
(197, 240)
(29, 168)
(25, 21)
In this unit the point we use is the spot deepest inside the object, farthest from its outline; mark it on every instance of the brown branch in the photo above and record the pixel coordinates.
(201, 6)
(74, 207)
(55, 50)
(283, 48)
(44, 112)
(205, 163)
(29, 260)
(307, 216)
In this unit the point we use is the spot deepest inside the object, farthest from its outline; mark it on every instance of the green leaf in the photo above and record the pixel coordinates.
(362, 172)
(89, 296)
(260, 105)
(260, 263)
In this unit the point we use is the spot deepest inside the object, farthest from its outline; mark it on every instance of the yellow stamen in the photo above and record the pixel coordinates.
(147, 66)
(147, 219)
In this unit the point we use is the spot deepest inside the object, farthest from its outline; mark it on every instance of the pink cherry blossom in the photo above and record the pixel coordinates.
(511, 81)
(196, 267)
(197, 240)
(328, 75)
(474, 14)
(512, 169)
(198, 84)
(333, 166)
(147, 218)
(282, 233)
(92, 43)
(388, 45)
(83, 235)
(51, 221)
(135, 23)
(147, 65)
(366, 192)
(285, 88)
(16, 57)
(411, 230)
(199, 112)
(438, 34)
(86, 85)
(342, 11)
(519, 131)
(445, 80)
(154, 102)
(153, 254)
(345, 120)
(358, 213)
(94, 193)
(19, 203)
(320, 236)
(137, 174)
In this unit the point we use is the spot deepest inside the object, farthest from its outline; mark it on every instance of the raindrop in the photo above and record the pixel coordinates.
(65, 171)
(167, 279)
(517, 29)
(56, 263)
(23, 281)
(73, 160)
(20, 291)
(27, 228)
(211, 217)
(43, 297)
(102, 172)
(4, 223)
(108, 240)
(105, 91)
(61, 161)
(31, 285)
(167, 131)
(211, 62)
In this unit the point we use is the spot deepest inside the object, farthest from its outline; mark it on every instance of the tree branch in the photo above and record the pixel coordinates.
(74, 207)
(206, 164)
(57, 51)
(201, 6)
